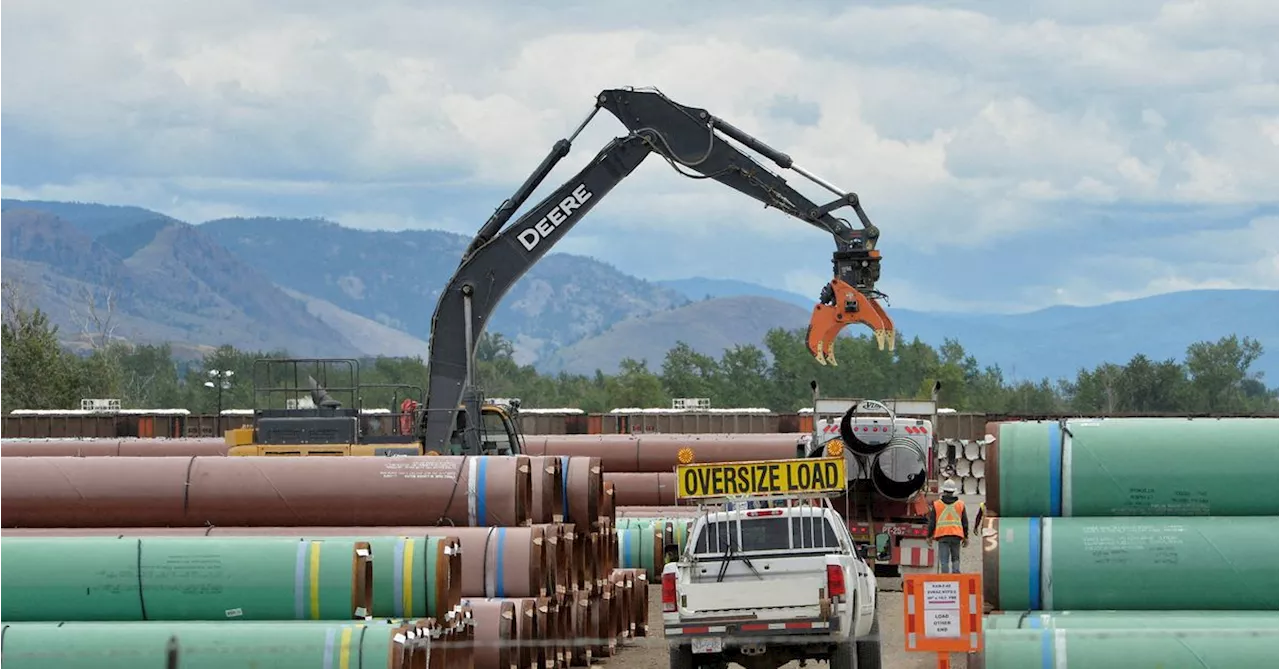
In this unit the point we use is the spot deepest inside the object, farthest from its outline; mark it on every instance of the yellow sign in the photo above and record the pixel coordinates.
(766, 477)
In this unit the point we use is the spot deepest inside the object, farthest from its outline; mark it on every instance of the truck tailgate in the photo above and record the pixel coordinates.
(794, 591)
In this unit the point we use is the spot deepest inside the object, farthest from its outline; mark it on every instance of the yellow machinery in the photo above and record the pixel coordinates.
(297, 417)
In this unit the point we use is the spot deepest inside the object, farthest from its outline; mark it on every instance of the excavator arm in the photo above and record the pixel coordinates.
(693, 142)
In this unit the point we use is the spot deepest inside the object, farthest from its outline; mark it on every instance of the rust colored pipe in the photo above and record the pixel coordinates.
(659, 452)
(607, 501)
(498, 561)
(602, 643)
(265, 491)
(640, 601)
(657, 512)
(545, 636)
(547, 483)
(583, 483)
(555, 550)
(642, 489)
(523, 645)
(580, 616)
(127, 447)
(494, 621)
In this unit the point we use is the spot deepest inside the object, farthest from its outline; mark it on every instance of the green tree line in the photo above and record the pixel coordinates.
(1213, 377)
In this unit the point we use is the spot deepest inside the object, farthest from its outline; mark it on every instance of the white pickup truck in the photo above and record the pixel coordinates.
(762, 587)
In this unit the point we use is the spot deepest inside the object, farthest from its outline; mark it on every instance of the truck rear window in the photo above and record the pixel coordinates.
(766, 534)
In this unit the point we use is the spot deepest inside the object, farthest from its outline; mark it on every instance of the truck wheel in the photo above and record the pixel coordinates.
(681, 656)
(843, 656)
(868, 649)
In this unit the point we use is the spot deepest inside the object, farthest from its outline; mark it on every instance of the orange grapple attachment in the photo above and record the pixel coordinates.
(851, 306)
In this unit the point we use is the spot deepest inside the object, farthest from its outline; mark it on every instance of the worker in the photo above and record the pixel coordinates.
(949, 526)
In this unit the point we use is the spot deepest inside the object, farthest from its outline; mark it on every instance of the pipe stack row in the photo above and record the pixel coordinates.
(1151, 539)
(967, 460)
(509, 559)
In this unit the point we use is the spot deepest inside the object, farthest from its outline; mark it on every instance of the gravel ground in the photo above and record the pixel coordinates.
(651, 652)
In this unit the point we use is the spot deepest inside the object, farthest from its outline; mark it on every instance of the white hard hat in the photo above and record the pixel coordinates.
(948, 486)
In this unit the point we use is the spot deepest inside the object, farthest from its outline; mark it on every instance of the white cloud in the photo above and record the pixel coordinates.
(963, 128)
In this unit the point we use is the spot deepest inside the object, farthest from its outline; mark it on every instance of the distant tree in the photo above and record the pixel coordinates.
(37, 373)
(688, 373)
(1221, 376)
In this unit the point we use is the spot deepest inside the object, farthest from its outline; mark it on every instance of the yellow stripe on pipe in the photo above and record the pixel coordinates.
(315, 583)
(344, 652)
(407, 578)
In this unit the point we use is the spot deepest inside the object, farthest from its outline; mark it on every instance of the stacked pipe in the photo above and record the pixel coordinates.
(442, 550)
(1148, 538)
(123, 447)
(967, 461)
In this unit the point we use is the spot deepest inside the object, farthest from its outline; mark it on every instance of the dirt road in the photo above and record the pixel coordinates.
(651, 652)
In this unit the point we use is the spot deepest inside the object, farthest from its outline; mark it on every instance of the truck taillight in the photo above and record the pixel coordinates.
(767, 512)
(835, 581)
(669, 593)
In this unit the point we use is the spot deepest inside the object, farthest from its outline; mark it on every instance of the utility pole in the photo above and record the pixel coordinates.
(220, 380)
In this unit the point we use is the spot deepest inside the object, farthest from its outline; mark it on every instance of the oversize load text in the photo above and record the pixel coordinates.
(761, 478)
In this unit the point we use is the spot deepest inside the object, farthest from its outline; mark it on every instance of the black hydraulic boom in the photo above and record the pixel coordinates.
(693, 142)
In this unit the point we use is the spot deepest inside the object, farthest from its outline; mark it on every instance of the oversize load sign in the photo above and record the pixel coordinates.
(765, 477)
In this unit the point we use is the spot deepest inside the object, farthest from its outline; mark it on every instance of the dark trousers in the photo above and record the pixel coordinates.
(949, 555)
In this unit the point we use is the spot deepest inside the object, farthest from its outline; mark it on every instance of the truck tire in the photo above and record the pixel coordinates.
(868, 648)
(843, 656)
(681, 656)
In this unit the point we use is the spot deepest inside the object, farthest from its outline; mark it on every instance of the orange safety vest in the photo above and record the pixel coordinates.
(947, 519)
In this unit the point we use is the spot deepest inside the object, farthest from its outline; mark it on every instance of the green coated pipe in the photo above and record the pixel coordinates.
(1083, 648)
(1192, 563)
(640, 547)
(679, 527)
(1135, 467)
(1140, 620)
(410, 578)
(205, 645)
(173, 578)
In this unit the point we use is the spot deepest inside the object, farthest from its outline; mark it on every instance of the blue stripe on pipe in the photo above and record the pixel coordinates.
(626, 548)
(329, 637)
(481, 470)
(1033, 560)
(1055, 470)
(502, 540)
(1046, 648)
(564, 486)
(300, 582)
(397, 578)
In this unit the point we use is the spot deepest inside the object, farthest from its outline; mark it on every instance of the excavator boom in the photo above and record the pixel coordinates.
(694, 143)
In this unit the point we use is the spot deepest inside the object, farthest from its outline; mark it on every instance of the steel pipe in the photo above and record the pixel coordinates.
(181, 578)
(583, 486)
(660, 453)
(547, 486)
(123, 447)
(1169, 563)
(900, 470)
(210, 645)
(265, 491)
(642, 489)
(1134, 467)
(1086, 649)
(494, 621)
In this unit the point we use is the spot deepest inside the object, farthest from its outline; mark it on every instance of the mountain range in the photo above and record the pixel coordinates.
(317, 288)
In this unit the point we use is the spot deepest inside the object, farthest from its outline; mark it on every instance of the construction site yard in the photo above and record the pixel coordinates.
(651, 652)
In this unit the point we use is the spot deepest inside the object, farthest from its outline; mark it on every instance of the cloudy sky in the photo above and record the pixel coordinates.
(1014, 154)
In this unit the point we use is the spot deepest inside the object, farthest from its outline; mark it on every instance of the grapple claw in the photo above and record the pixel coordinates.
(851, 306)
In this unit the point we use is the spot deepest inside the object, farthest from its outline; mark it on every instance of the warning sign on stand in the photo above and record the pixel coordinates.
(943, 612)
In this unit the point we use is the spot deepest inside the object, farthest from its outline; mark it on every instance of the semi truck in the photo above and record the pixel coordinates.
(889, 447)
